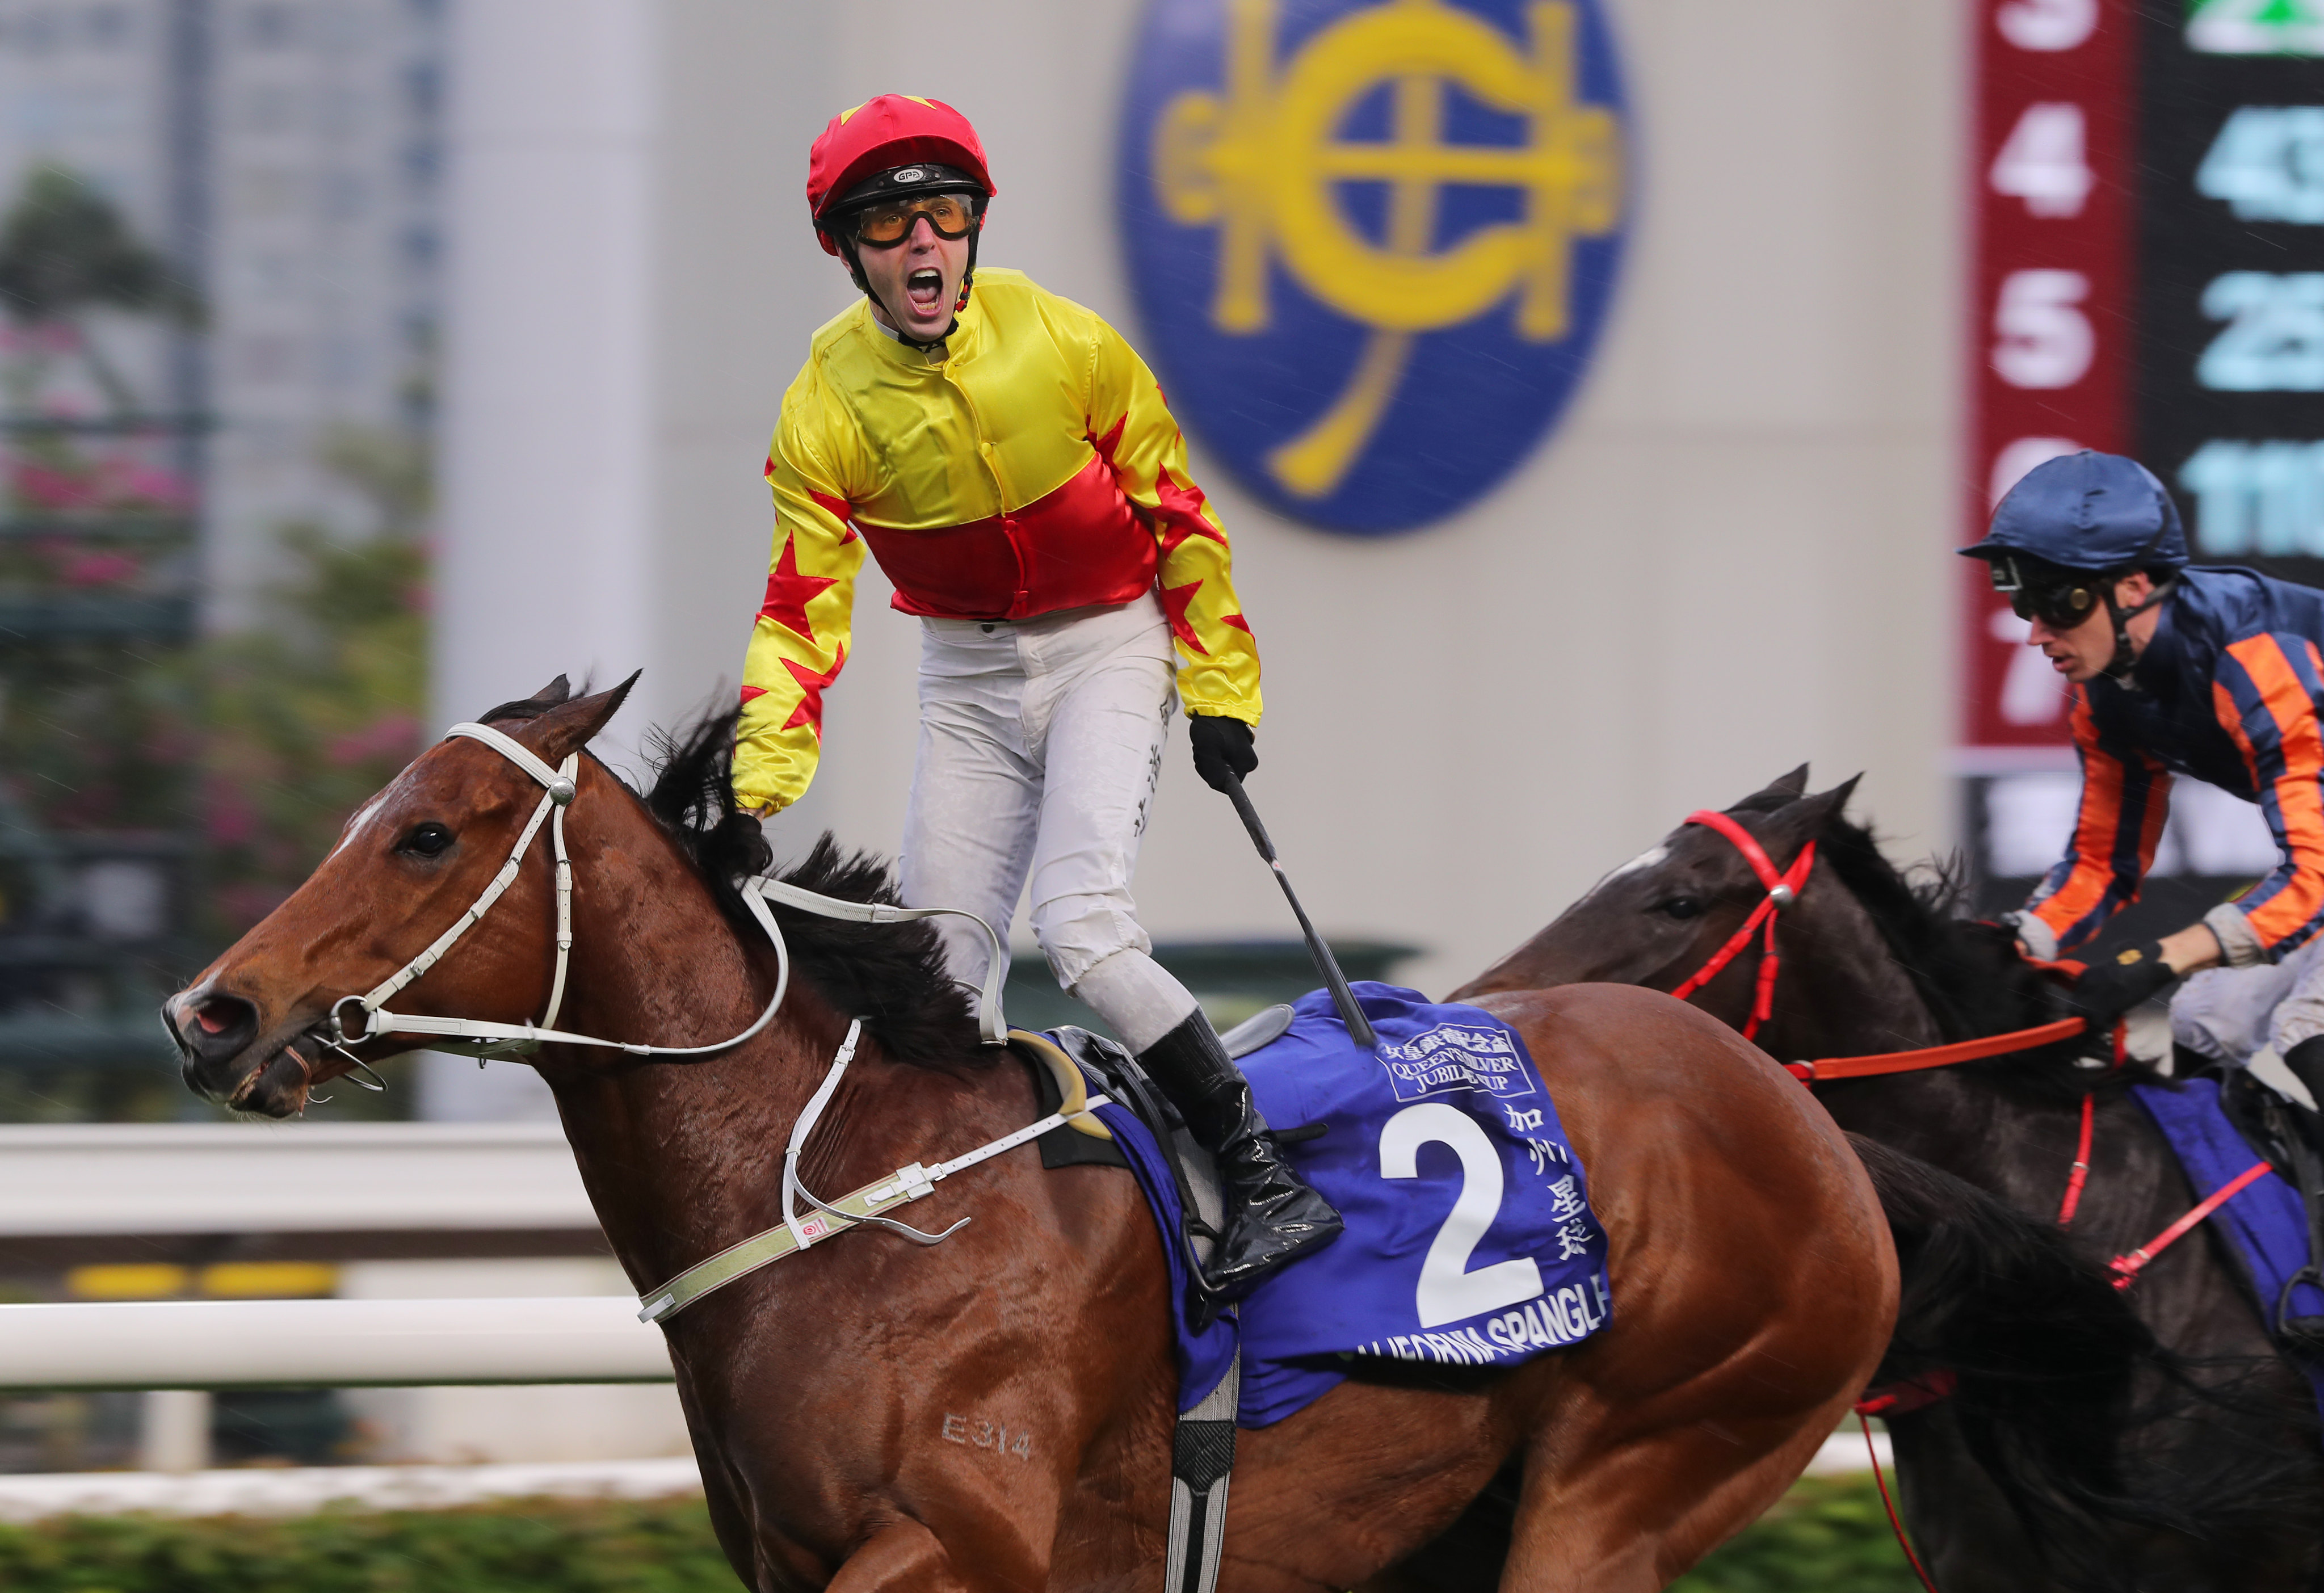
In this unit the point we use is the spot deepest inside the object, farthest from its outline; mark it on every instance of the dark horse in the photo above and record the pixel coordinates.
(1754, 1280)
(1870, 962)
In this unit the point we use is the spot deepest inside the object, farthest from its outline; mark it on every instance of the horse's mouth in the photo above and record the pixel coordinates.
(278, 1085)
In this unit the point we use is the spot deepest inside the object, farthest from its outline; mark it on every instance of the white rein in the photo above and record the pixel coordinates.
(481, 1038)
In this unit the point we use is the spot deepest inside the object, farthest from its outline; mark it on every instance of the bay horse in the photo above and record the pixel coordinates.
(1755, 1282)
(1872, 961)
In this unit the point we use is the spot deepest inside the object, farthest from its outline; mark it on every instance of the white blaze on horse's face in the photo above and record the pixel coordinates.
(1653, 857)
(356, 825)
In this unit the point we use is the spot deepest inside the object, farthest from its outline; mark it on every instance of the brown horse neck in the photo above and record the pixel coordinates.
(683, 1157)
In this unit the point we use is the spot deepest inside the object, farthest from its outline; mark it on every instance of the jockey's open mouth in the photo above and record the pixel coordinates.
(925, 287)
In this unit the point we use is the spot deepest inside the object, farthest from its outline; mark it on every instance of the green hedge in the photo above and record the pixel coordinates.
(1826, 1537)
(533, 1546)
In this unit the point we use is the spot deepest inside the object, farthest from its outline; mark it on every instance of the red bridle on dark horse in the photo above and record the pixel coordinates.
(1784, 888)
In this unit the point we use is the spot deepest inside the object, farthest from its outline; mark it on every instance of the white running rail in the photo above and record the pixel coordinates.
(329, 1343)
(164, 1178)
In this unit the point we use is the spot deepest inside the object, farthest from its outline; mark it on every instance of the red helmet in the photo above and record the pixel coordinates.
(880, 135)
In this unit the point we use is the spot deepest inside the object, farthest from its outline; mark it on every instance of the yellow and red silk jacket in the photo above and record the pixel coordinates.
(1035, 468)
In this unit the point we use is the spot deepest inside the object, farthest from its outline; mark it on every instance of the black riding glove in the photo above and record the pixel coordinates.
(1223, 749)
(2111, 988)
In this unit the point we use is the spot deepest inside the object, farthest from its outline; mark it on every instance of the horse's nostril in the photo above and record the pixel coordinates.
(218, 1024)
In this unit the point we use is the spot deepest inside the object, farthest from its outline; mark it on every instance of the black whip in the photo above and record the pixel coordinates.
(1359, 1026)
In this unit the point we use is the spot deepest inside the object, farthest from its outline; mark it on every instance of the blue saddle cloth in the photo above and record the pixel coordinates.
(2265, 1224)
(1469, 1238)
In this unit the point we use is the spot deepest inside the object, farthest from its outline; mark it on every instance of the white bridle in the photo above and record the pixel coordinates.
(481, 1038)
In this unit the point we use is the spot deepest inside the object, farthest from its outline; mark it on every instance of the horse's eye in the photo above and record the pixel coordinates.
(1681, 907)
(428, 840)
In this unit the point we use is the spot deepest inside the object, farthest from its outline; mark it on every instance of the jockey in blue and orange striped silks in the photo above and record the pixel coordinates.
(2213, 672)
(1010, 462)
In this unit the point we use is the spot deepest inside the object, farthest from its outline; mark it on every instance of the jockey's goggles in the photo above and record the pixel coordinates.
(2060, 599)
(888, 222)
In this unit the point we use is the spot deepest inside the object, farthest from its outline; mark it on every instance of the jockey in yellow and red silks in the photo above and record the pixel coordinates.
(1009, 460)
(1045, 474)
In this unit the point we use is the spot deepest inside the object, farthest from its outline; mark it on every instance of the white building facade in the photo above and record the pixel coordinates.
(1732, 556)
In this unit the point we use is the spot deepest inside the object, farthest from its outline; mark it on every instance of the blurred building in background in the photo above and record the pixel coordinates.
(224, 224)
(288, 157)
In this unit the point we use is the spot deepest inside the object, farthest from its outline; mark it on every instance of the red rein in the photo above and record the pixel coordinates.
(1784, 888)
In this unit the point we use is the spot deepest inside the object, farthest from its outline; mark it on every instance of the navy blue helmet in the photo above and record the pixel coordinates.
(2088, 512)
(2070, 529)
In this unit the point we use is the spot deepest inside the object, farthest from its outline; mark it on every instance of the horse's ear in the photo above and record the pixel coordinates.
(570, 727)
(1780, 792)
(1811, 814)
(559, 690)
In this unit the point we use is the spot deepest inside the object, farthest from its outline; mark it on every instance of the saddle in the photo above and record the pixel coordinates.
(1203, 1442)
(1127, 1083)
(2289, 1137)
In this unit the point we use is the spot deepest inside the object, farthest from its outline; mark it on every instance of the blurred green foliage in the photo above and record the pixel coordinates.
(1829, 1535)
(305, 717)
(535, 1546)
(64, 249)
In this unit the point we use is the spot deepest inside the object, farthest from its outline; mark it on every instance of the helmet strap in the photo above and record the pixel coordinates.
(2119, 670)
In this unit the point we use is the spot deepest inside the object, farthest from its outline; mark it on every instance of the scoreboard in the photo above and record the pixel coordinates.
(2148, 216)
(2228, 361)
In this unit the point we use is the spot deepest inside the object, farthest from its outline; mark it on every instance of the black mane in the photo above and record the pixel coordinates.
(1967, 974)
(891, 975)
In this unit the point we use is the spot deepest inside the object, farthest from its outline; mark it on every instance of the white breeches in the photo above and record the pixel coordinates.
(1040, 744)
(2228, 1013)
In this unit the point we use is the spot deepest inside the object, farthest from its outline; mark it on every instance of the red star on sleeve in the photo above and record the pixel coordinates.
(789, 592)
(809, 712)
(1180, 510)
(1174, 600)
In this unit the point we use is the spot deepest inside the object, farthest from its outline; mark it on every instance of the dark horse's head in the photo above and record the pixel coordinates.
(1659, 917)
(253, 1030)
(1872, 959)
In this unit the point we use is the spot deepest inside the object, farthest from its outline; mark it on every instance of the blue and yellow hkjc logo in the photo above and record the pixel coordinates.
(1373, 243)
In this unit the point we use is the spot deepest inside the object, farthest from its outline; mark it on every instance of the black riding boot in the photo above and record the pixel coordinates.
(1272, 1217)
(2306, 1061)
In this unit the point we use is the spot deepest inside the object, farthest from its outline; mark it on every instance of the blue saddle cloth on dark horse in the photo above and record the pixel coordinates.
(2265, 1224)
(1469, 1240)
